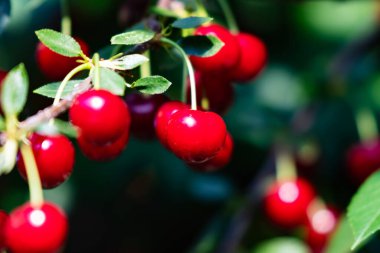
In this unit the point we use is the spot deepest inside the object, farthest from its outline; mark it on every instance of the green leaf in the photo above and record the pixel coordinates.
(127, 62)
(132, 37)
(66, 128)
(342, 235)
(282, 245)
(152, 85)
(163, 12)
(190, 22)
(15, 90)
(2, 123)
(203, 46)
(60, 43)
(50, 90)
(111, 81)
(364, 210)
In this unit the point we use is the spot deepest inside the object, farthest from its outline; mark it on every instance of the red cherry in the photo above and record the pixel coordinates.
(195, 136)
(221, 159)
(101, 116)
(252, 59)
(286, 202)
(36, 229)
(321, 224)
(103, 152)
(143, 111)
(215, 88)
(163, 115)
(226, 58)
(55, 66)
(54, 156)
(363, 159)
(3, 74)
(3, 219)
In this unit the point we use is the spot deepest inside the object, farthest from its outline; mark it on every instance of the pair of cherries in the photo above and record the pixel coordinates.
(242, 57)
(199, 138)
(291, 204)
(103, 120)
(31, 228)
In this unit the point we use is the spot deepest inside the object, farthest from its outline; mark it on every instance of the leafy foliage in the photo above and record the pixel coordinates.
(152, 85)
(15, 90)
(364, 210)
(203, 46)
(60, 43)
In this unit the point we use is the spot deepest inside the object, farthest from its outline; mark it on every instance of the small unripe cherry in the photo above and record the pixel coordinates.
(54, 156)
(3, 219)
(101, 116)
(286, 202)
(220, 160)
(143, 110)
(36, 229)
(104, 152)
(227, 57)
(195, 136)
(163, 116)
(55, 66)
(252, 59)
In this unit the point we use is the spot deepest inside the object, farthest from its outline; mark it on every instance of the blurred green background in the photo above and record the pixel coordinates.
(323, 65)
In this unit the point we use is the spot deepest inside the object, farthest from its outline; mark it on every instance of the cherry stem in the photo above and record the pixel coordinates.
(230, 18)
(285, 166)
(65, 19)
(190, 70)
(67, 78)
(366, 125)
(145, 69)
(96, 71)
(34, 181)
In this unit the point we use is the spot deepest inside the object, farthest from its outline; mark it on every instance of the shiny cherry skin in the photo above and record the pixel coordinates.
(226, 58)
(36, 229)
(101, 116)
(321, 224)
(363, 159)
(220, 160)
(3, 219)
(252, 59)
(195, 136)
(162, 118)
(286, 202)
(55, 66)
(214, 87)
(103, 152)
(143, 110)
(54, 156)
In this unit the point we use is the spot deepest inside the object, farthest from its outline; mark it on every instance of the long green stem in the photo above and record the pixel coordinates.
(67, 78)
(285, 167)
(145, 69)
(230, 18)
(190, 70)
(366, 125)
(34, 181)
(96, 72)
(65, 19)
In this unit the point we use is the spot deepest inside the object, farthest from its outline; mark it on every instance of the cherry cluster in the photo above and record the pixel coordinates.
(293, 203)
(241, 59)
